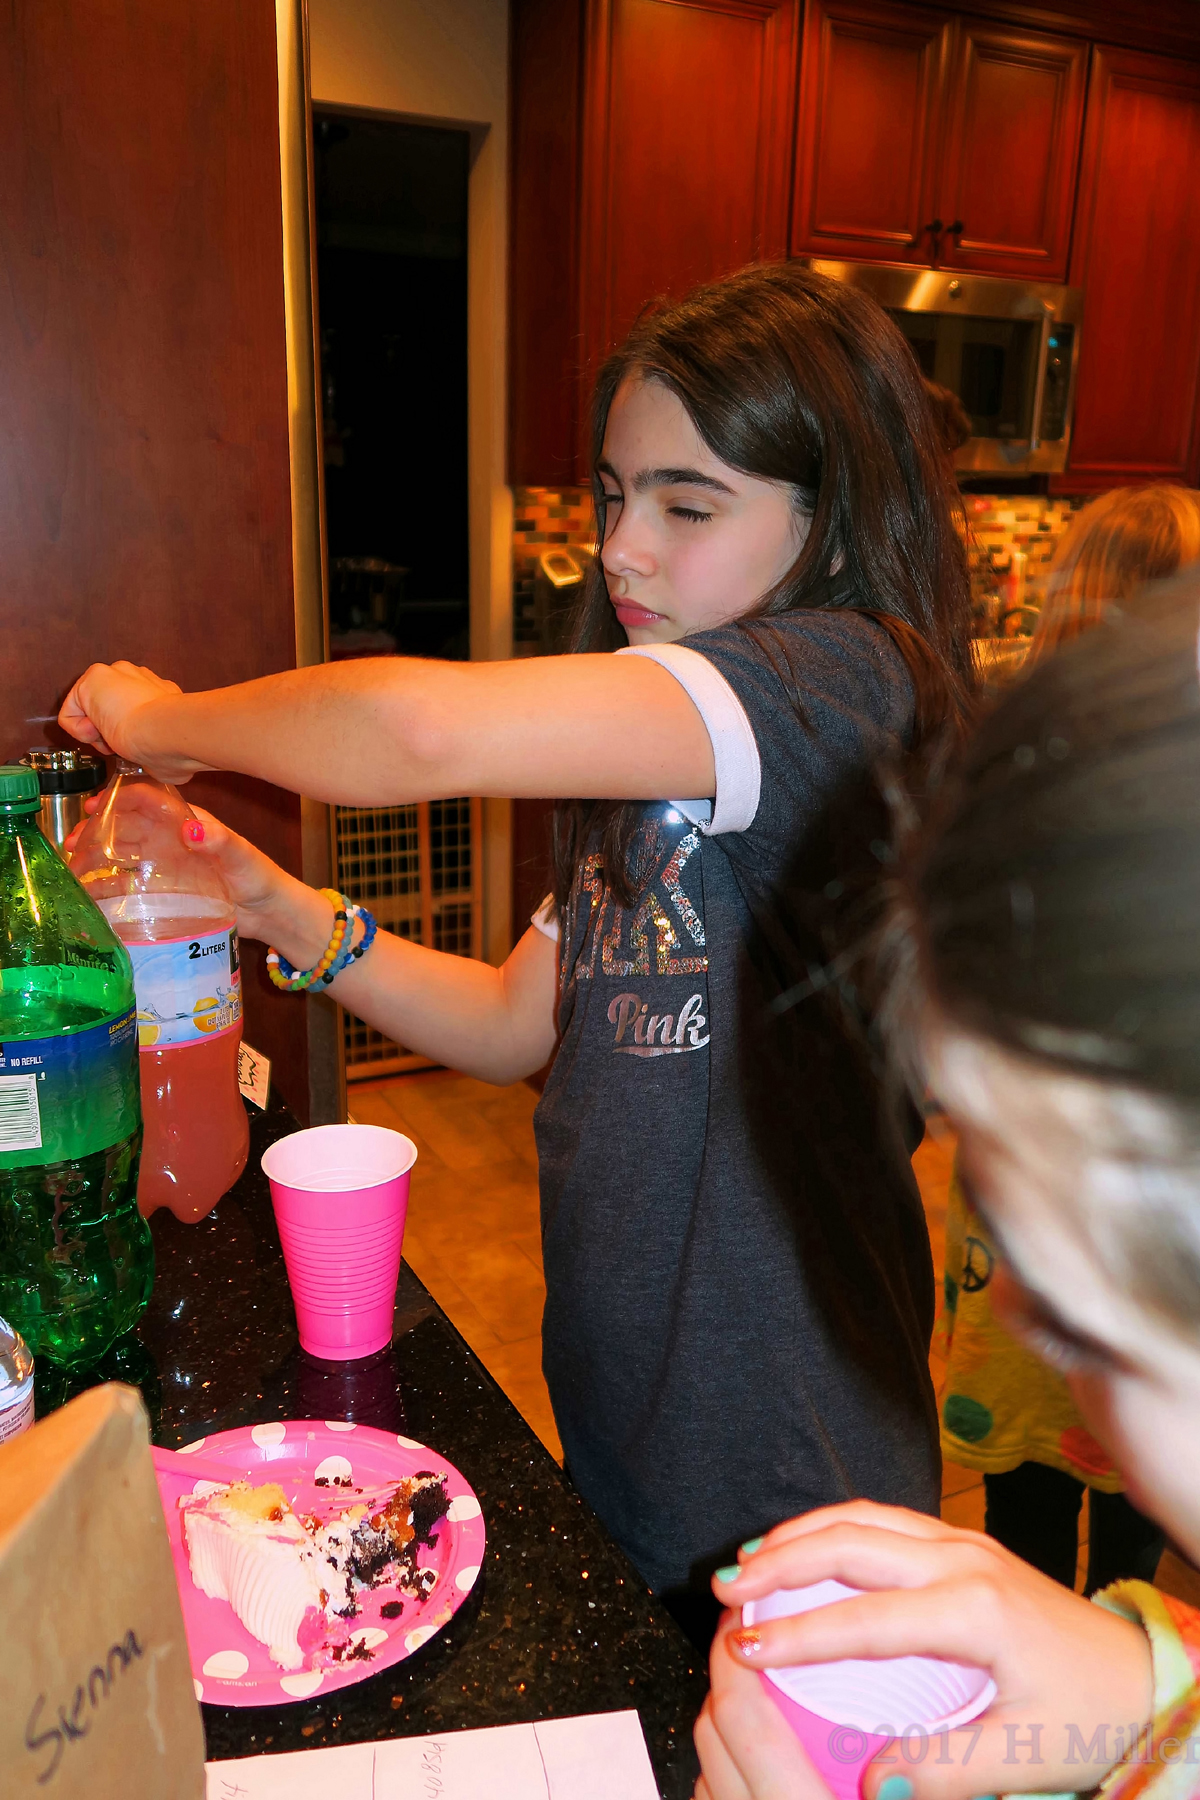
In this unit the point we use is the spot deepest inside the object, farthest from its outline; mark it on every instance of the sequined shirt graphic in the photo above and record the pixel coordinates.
(644, 944)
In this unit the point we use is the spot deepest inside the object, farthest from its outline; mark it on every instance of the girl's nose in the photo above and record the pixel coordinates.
(628, 549)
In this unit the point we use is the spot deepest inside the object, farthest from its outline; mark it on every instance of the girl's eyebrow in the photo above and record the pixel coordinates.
(652, 478)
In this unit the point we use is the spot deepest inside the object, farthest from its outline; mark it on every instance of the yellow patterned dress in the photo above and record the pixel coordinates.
(1002, 1405)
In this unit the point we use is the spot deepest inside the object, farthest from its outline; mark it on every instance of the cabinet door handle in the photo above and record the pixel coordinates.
(934, 229)
(956, 230)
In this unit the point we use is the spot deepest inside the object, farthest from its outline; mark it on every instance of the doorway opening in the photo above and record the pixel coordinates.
(391, 218)
(391, 206)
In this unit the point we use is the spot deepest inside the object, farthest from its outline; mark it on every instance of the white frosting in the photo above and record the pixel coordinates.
(264, 1568)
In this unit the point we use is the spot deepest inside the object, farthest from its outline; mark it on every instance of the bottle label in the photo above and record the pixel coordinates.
(65, 1097)
(189, 990)
(16, 1411)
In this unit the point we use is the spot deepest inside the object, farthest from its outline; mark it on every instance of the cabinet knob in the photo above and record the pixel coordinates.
(933, 229)
(955, 230)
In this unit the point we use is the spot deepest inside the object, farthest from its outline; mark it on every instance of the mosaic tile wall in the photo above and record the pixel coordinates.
(543, 519)
(999, 524)
(996, 526)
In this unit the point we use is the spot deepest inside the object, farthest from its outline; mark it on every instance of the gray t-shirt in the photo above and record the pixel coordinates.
(739, 1282)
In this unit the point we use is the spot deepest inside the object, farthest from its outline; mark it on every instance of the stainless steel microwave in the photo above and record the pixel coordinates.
(1008, 349)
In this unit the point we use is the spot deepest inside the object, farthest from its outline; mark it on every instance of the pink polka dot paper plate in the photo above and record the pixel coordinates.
(319, 1466)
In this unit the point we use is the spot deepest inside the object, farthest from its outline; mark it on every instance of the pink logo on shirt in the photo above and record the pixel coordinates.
(656, 1034)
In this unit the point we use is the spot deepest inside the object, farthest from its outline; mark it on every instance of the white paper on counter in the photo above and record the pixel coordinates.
(600, 1756)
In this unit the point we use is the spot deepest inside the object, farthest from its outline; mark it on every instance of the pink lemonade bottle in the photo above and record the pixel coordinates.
(174, 914)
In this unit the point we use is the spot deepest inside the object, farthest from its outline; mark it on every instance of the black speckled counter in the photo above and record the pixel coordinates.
(559, 1623)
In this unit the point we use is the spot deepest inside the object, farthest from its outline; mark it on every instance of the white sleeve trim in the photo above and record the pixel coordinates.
(735, 752)
(545, 919)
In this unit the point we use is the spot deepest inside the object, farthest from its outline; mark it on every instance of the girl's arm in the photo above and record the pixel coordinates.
(400, 728)
(496, 1024)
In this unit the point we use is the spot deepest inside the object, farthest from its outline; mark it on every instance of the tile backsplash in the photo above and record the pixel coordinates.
(997, 524)
(544, 519)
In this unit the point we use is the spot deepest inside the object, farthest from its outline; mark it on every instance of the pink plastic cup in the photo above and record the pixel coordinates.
(340, 1194)
(837, 1709)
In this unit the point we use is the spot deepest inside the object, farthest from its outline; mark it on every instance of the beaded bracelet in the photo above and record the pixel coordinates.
(294, 981)
(352, 952)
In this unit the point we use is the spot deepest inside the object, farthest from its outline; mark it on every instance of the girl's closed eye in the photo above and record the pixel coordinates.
(692, 514)
(1067, 1351)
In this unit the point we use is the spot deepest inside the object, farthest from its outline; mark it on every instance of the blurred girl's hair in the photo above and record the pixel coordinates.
(794, 378)
(1051, 904)
(1125, 538)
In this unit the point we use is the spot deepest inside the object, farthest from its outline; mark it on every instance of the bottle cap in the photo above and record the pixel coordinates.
(65, 771)
(19, 790)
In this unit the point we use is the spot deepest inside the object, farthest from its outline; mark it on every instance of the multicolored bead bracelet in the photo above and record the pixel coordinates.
(338, 955)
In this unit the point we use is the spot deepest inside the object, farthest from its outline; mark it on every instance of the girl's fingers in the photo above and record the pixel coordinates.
(747, 1749)
(860, 1512)
(73, 717)
(241, 863)
(719, 1778)
(956, 1620)
(1004, 1752)
(857, 1555)
(212, 834)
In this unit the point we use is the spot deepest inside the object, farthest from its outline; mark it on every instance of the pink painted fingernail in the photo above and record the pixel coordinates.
(746, 1642)
(194, 830)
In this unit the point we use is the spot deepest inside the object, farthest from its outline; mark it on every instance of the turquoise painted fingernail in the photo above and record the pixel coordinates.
(896, 1787)
(751, 1545)
(729, 1574)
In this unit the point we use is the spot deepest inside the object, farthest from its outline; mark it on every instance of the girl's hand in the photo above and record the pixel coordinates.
(746, 1747)
(1070, 1676)
(106, 708)
(272, 905)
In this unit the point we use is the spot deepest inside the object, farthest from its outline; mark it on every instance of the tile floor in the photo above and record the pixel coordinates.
(473, 1236)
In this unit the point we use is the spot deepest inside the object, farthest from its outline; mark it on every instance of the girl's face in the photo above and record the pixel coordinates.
(689, 542)
(1055, 1163)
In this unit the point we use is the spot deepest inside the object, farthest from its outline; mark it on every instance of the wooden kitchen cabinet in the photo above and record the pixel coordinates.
(1013, 122)
(658, 143)
(686, 130)
(929, 138)
(872, 76)
(676, 169)
(1137, 258)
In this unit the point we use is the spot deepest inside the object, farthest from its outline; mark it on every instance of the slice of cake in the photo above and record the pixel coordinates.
(293, 1580)
(363, 1548)
(246, 1545)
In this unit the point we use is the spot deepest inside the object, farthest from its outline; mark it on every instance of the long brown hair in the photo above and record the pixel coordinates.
(1126, 537)
(794, 378)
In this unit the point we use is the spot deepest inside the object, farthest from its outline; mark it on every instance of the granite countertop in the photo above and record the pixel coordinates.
(560, 1622)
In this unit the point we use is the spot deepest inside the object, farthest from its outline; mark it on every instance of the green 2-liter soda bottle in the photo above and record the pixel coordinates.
(76, 1256)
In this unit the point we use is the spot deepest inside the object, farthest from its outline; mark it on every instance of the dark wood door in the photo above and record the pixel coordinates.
(870, 90)
(1013, 128)
(686, 149)
(145, 505)
(1137, 258)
